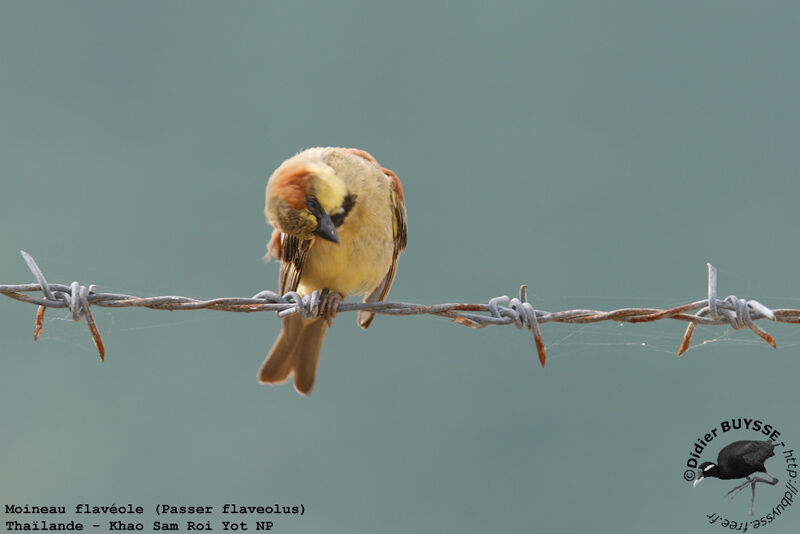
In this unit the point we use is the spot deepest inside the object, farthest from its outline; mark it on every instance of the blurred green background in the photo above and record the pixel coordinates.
(600, 153)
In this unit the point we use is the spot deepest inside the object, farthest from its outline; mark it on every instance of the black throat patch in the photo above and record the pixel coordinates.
(347, 205)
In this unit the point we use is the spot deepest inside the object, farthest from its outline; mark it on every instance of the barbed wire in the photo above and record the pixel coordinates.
(733, 311)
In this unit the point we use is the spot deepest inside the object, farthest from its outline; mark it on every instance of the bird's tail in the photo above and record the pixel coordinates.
(296, 349)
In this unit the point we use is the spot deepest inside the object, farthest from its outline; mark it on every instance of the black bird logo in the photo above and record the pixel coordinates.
(737, 460)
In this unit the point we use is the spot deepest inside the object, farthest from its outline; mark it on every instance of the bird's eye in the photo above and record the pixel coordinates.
(312, 204)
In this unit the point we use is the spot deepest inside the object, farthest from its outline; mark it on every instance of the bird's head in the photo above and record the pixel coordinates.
(307, 199)
(706, 469)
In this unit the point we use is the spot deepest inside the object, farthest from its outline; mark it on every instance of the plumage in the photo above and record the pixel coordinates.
(340, 226)
(742, 458)
(737, 460)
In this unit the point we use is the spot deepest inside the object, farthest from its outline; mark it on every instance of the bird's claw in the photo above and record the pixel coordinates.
(329, 305)
(735, 491)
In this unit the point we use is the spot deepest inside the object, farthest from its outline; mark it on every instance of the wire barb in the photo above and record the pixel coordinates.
(76, 299)
(733, 311)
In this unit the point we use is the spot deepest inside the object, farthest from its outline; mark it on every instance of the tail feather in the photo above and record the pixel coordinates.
(306, 354)
(297, 349)
(278, 366)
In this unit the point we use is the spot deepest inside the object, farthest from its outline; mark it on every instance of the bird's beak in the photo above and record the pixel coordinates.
(697, 480)
(326, 229)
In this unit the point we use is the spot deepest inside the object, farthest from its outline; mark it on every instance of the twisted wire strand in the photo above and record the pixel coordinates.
(733, 311)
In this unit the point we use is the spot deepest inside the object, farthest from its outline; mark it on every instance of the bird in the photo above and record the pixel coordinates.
(740, 459)
(339, 221)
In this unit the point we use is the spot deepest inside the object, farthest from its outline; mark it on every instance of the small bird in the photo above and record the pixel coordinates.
(740, 459)
(339, 221)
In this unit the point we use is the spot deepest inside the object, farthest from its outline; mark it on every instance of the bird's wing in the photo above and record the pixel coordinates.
(744, 454)
(759, 452)
(400, 239)
(293, 254)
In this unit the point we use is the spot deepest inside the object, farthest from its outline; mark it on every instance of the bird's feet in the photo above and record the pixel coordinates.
(752, 483)
(739, 488)
(329, 305)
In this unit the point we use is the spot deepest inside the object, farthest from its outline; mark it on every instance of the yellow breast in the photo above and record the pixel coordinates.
(357, 265)
(361, 259)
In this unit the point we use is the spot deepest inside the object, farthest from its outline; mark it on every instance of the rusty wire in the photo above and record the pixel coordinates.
(733, 311)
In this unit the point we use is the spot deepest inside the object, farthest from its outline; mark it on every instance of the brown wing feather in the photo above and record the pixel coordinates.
(400, 240)
(293, 257)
